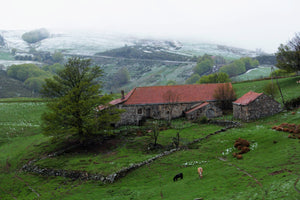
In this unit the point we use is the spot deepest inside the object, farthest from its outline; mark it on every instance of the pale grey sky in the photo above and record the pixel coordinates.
(248, 24)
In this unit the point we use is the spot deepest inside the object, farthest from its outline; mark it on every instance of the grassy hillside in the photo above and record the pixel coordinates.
(290, 89)
(269, 171)
(144, 52)
(256, 73)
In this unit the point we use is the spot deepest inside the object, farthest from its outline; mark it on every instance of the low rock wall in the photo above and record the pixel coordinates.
(82, 175)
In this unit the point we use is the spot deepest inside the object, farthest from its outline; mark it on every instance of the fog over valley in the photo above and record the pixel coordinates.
(246, 24)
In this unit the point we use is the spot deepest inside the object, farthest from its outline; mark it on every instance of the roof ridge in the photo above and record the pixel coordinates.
(247, 98)
(183, 85)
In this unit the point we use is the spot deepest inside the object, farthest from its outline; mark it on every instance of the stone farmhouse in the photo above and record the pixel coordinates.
(254, 105)
(168, 102)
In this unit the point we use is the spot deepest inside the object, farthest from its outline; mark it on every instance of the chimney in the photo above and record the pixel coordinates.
(122, 93)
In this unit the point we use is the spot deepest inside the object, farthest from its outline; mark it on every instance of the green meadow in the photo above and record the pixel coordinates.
(259, 72)
(270, 170)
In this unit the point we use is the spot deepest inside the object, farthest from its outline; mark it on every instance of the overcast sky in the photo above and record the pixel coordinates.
(248, 24)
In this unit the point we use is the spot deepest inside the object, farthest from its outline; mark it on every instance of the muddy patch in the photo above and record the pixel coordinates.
(279, 172)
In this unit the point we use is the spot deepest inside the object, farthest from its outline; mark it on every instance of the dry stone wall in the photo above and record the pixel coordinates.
(83, 175)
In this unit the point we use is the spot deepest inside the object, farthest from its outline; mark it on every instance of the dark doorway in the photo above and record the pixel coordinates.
(148, 112)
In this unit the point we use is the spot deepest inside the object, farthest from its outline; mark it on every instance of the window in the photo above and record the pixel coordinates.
(140, 111)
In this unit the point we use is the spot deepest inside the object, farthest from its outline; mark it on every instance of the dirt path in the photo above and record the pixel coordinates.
(248, 174)
(296, 184)
(37, 194)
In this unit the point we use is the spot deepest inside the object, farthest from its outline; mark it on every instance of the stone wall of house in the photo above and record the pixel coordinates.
(261, 107)
(209, 111)
(136, 113)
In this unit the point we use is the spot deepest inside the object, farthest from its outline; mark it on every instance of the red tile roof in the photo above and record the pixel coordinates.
(117, 101)
(197, 107)
(247, 98)
(162, 94)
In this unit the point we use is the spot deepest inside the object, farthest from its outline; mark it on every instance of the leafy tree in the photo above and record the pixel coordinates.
(121, 77)
(75, 95)
(34, 83)
(266, 59)
(281, 72)
(288, 56)
(223, 78)
(203, 66)
(58, 57)
(239, 66)
(271, 89)
(219, 60)
(225, 94)
(25, 71)
(250, 63)
(35, 35)
(53, 68)
(220, 77)
(193, 79)
(235, 68)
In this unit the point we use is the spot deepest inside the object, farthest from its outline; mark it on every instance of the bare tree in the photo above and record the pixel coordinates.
(155, 132)
(225, 94)
(288, 56)
(172, 99)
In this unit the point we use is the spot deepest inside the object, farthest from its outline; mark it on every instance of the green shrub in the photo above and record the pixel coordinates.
(293, 103)
(193, 79)
(271, 89)
(203, 120)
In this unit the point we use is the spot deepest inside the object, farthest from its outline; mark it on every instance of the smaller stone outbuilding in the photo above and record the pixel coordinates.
(254, 105)
(206, 109)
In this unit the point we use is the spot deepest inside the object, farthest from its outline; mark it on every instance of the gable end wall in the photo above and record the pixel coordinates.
(261, 107)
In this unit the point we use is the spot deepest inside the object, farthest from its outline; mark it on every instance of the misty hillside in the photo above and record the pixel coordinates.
(144, 52)
(143, 61)
(89, 43)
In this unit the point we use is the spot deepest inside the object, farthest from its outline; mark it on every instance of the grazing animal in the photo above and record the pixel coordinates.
(180, 175)
(200, 172)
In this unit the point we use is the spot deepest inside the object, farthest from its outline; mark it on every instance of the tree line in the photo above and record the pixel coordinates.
(215, 69)
(32, 75)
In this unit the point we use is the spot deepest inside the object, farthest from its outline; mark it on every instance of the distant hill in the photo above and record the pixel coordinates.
(149, 61)
(144, 52)
(10, 87)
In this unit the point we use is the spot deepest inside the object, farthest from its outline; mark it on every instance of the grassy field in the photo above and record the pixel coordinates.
(256, 73)
(5, 55)
(290, 89)
(270, 170)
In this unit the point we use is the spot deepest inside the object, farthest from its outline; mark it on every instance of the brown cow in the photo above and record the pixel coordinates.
(200, 172)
